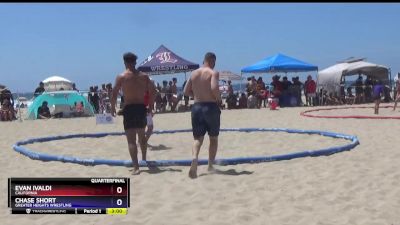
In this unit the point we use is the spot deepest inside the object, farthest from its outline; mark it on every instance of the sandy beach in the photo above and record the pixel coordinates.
(353, 187)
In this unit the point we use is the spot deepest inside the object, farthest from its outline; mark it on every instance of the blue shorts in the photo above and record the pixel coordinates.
(205, 118)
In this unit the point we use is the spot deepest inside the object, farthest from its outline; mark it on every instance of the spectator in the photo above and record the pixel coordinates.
(185, 97)
(43, 111)
(359, 89)
(378, 92)
(297, 87)
(277, 86)
(164, 95)
(102, 94)
(74, 87)
(260, 92)
(311, 91)
(231, 98)
(107, 99)
(350, 98)
(397, 92)
(90, 95)
(174, 94)
(96, 100)
(39, 90)
(251, 102)
(243, 101)
(286, 83)
(7, 111)
(78, 109)
(368, 89)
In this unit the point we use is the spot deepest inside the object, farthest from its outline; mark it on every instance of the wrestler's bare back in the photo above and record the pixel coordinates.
(202, 82)
(133, 86)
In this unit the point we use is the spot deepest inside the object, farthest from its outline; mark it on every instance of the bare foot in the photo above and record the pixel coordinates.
(193, 169)
(211, 169)
(136, 171)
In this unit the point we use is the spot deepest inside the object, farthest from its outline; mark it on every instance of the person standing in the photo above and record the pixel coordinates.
(134, 85)
(397, 94)
(203, 87)
(311, 90)
(39, 90)
(378, 91)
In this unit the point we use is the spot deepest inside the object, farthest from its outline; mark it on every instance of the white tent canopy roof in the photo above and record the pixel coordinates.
(330, 78)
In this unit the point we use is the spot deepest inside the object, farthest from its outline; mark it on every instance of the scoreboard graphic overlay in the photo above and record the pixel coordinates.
(69, 195)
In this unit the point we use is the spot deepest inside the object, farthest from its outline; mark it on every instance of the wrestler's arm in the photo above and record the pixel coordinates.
(152, 93)
(215, 86)
(117, 87)
(188, 90)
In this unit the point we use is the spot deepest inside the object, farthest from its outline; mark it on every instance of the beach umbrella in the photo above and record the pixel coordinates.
(228, 75)
(55, 83)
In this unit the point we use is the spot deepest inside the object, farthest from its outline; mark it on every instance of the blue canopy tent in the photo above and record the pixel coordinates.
(279, 63)
(164, 61)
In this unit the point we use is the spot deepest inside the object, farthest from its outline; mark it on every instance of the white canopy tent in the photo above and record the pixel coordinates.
(332, 77)
(55, 83)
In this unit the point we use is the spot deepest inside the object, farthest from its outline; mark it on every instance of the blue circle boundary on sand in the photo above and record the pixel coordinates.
(226, 161)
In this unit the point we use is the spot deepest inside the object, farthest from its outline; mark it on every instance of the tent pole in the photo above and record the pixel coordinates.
(317, 81)
(19, 107)
(241, 80)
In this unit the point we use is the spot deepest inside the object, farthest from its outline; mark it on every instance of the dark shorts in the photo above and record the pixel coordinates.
(205, 118)
(135, 116)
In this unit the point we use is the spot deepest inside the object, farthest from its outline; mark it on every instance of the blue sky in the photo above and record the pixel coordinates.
(84, 42)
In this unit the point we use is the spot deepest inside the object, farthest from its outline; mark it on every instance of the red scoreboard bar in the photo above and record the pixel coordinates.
(69, 195)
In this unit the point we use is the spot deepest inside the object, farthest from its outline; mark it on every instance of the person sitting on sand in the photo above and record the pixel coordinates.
(331, 100)
(350, 98)
(78, 109)
(251, 102)
(243, 101)
(44, 111)
(7, 111)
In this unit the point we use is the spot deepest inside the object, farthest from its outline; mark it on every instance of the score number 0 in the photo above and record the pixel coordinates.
(119, 191)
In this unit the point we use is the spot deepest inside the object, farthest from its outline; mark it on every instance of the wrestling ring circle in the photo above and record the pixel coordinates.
(19, 147)
(307, 113)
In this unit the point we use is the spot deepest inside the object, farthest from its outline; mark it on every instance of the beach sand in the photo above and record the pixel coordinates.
(354, 187)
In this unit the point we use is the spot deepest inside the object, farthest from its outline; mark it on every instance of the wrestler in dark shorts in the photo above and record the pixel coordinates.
(205, 118)
(135, 116)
